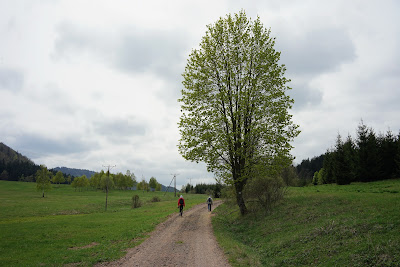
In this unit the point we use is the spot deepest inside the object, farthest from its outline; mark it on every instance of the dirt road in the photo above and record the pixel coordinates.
(179, 241)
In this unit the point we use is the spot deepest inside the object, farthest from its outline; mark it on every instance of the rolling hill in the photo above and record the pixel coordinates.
(75, 172)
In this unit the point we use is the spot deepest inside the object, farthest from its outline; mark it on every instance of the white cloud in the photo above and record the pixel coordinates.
(10, 79)
(95, 83)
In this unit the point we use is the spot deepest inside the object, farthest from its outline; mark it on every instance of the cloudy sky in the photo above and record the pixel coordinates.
(90, 83)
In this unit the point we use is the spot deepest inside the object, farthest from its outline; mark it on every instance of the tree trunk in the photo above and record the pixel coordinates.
(237, 171)
(241, 204)
(106, 196)
(239, 197)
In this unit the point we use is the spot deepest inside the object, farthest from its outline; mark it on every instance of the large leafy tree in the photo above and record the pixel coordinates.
(158, 187)
(95, 180)
(234, 107)
(107, 183)
(153, 183)
(43, 176)
(58, 178)
(132, 178)
(119, 180)
(143, 185)
(82, 182)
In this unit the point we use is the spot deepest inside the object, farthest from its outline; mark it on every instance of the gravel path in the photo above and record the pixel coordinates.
(179, 241)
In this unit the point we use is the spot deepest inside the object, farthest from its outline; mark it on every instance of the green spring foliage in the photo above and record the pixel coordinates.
(325, 225)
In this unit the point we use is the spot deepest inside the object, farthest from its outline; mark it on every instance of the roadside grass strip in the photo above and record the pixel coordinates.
(326, 225)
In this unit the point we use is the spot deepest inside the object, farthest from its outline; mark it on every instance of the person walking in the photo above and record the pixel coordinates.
(209, 202)
(181, 204)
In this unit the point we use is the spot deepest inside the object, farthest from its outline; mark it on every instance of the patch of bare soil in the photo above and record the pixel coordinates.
(179, 241)
(87, 246)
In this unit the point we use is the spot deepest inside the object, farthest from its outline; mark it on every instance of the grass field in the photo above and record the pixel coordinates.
(327, 225)
(72, 228)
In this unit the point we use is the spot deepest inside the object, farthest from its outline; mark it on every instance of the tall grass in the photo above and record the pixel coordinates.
(327, 225)
(68, 227)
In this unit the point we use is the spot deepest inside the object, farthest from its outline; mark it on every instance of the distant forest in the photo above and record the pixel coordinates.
(369, 157)
(75, 172)
(213, 190)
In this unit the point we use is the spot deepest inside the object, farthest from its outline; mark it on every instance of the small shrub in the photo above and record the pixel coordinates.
(136, 203)
(265, 192)
(155, 199)
(228, 194)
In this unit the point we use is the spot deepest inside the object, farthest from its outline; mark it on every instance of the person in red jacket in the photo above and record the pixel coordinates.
(181, 204)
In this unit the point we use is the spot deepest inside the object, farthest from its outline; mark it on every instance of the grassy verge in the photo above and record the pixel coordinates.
(327, 225)
(68, 227)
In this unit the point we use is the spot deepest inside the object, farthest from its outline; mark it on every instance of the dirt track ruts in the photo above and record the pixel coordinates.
(179, 241)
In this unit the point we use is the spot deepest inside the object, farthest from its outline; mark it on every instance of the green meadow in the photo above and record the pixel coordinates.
(69, 227)
(326, 225)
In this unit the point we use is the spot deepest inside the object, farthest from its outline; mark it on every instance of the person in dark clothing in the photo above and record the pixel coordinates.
(209, 202)
(181, 204)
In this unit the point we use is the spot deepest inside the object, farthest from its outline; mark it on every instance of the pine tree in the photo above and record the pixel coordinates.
(342, 167)
(387, 153)
(368, 157)
(328, 165)
(397, 157)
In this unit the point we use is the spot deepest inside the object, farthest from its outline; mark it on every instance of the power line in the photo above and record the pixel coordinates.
(109, 167)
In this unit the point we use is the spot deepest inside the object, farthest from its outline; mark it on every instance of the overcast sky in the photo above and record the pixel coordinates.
(90, 83)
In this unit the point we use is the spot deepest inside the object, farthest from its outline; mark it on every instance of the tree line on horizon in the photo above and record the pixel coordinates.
(366, 158)
(99, 181)
(214, 190)
(16, 167)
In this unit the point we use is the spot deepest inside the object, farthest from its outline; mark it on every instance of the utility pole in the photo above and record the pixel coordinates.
(190, 185)
(175, 174)
(108, 180)
(166, 190)
(173, 179)
(144, 183)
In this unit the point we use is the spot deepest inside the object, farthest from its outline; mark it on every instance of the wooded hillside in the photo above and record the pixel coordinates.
(14, 166)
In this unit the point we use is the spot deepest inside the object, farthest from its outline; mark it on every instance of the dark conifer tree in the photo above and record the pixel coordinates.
(307, 168)
(342, 168)
(329, 167)
(350, 154)
(397, 157)
(368, 155)
(387, 153)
